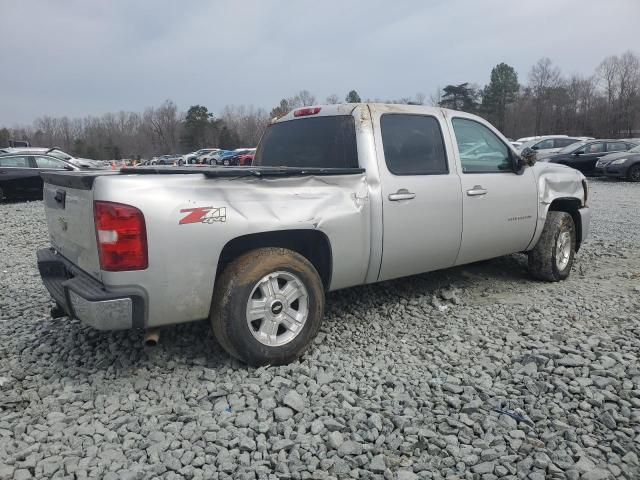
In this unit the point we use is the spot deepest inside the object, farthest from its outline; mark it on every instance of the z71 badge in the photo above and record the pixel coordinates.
(204, 215)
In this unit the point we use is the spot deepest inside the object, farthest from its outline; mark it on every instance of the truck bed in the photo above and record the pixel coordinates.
(84, 180)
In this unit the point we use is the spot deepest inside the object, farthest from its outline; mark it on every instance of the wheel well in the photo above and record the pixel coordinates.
(570, 206)
(311, 244)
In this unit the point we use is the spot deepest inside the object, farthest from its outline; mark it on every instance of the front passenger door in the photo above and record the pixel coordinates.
(586, 158)
(500, 206)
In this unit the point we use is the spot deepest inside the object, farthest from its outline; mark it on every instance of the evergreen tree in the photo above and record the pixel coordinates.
(353, 97)
(460, 97)
(501, 91)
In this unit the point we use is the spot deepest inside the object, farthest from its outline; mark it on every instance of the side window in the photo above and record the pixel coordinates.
(20, 162)
(48, 162)
(544, 144)
(616, 147)
(564, 142)
(413, 144)
(594, 148)
(481, 151)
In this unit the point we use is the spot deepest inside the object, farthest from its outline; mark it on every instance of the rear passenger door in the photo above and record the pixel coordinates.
(421, 196)
(613, 147)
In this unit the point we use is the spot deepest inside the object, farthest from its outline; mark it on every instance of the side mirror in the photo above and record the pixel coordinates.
(68, 167)
(528, 156)
(578, 153)
(535, 147)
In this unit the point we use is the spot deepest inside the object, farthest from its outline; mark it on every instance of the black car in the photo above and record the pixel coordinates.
(584, 155)
(20, 173)
(621, 165)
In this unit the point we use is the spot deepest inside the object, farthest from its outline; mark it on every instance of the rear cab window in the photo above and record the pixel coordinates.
(323, 142)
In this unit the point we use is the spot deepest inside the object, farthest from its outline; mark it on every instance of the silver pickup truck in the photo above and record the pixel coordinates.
(338, 196)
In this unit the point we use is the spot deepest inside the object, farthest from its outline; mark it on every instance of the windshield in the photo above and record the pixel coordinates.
(635, 149)
(325, 142)
(572, 147)
(60, 154)
(529, 144)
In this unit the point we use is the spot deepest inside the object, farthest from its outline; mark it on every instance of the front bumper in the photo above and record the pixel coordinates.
(85, 298)
(615, 170)
(585, 223)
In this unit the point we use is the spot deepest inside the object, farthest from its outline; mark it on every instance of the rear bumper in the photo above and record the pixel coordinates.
(86, 299)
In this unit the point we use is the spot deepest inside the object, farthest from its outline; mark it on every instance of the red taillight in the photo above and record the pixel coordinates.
(122, 237)
(303, 112)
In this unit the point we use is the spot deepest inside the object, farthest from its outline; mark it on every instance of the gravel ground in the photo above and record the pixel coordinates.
(474, 373)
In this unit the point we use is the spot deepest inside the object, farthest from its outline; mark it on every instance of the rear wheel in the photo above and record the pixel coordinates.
(267, 306)
(634, 173)
(552, 257)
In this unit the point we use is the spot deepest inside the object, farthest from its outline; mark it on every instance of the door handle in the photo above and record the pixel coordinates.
(402, 194)
(476, 191)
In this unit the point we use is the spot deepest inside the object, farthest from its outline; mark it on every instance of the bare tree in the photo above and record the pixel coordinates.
(332, 99)
(543, 78)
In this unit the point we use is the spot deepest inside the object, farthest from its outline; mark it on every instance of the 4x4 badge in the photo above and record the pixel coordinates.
(204, 215)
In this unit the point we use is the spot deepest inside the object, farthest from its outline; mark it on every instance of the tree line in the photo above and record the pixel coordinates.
(603, 104)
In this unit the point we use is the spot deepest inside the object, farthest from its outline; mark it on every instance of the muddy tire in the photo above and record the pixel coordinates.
(633, 175)
(552, 258)
(267, 306)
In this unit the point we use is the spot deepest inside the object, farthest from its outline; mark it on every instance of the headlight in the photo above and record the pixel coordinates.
(620, 161)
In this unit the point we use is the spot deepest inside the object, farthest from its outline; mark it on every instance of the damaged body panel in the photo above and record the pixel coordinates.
(555, 183)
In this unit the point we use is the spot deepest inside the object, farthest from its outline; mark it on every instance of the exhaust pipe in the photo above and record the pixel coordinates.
(151, 337)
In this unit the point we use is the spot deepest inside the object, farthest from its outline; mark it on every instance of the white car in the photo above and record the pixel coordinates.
(192, 157)
(549, 144)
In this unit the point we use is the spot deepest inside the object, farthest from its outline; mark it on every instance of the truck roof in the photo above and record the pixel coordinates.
(347, 109)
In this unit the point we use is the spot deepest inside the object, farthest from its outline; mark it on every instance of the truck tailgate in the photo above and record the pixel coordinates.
(69, 212)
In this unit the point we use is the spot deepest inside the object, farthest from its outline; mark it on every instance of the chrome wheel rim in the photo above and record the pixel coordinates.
(277, 309)
(563, 250)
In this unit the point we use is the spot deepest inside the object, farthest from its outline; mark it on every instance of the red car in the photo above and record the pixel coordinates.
(244, 159)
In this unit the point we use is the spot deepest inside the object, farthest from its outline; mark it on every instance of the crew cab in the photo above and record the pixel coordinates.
(337, 196)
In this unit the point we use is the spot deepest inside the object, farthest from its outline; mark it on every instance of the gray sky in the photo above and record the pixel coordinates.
(77, 57)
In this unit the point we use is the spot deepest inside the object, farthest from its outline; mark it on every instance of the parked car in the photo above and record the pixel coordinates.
(20, 173)
(211, 158)
(339, 195)
(245, 159)
(240, 152)
(621, 165)
(191, 158)
(583, 155)
(57, 153)
(223, 158)
(550, 144)
(171, 159)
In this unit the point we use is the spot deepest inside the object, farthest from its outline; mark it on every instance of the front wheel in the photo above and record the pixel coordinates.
(267, 306)
(552, 258)
(634, 173)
